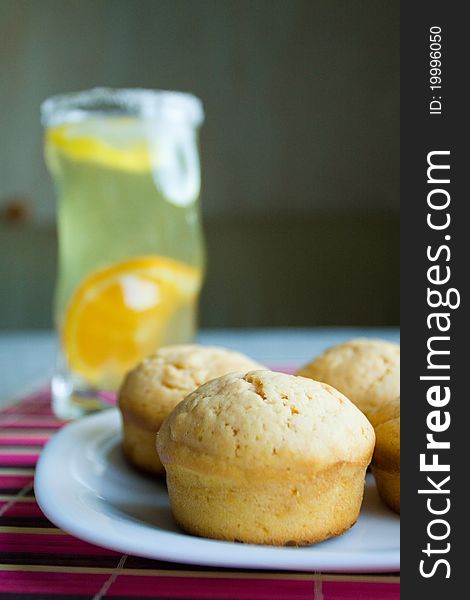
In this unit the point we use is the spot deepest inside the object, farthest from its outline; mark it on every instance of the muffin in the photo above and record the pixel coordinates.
(366, 371)
(266, 458)
(386, 460)
(151, 391)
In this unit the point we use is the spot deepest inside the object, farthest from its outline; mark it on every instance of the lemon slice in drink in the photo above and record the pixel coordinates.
(119, 315)
(115, 143)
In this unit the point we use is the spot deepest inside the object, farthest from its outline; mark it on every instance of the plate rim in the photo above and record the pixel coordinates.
(271, 557)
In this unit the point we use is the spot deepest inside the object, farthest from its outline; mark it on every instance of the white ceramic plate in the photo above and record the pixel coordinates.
(86, 488)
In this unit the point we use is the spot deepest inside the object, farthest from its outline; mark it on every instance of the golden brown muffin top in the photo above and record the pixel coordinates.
(265, 422)
(151, 390)
(367, 371)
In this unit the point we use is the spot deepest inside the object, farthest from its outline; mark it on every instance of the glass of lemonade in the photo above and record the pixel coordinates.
(125, 165)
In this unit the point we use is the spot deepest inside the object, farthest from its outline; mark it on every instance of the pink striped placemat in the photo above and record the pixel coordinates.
(39, 561)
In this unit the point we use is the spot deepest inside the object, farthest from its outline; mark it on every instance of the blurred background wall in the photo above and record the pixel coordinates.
(300, 149)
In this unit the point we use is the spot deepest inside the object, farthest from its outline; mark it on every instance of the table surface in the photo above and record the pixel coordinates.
(38, 560)
(27, 357)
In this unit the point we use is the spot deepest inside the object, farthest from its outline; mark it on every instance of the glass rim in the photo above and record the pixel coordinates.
(142, 103)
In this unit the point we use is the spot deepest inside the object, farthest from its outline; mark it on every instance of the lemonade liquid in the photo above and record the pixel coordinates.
(126, 190)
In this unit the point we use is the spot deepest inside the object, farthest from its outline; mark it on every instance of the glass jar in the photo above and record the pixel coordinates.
(125, 165)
